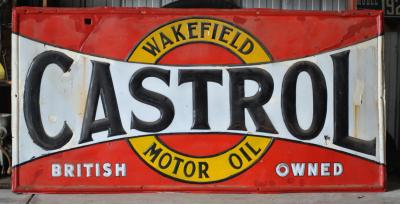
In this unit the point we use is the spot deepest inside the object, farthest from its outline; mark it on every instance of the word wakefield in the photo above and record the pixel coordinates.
(101, 87)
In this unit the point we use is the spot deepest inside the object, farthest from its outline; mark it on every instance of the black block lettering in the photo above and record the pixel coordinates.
(101, 85)
(289, 100)
(162, 103)
(199, 79)
(341, 108)
(254, 103)
(31, 104)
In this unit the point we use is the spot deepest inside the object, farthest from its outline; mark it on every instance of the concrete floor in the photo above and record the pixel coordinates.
(391, 196)
(173, 198)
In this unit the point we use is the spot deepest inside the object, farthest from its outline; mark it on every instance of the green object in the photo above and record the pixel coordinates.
(2, 72)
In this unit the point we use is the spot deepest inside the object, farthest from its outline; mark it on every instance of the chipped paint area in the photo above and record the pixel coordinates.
(365, 99)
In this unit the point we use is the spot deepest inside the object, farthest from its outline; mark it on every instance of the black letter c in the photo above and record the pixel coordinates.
(31, 105)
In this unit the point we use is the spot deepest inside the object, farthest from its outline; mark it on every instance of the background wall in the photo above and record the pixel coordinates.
(324, 5)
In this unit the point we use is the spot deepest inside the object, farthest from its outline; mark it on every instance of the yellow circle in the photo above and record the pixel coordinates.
(185, 168)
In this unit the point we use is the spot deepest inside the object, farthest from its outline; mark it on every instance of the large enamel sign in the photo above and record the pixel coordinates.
(132, 100)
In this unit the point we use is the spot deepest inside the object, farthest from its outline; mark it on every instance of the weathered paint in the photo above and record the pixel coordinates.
(283, 131)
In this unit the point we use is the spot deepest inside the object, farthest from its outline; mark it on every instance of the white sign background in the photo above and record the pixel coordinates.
(63, 98)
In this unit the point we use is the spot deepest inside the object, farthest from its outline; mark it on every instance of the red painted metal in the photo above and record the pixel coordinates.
(257, 179)
(113, 33)
(328, 30)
